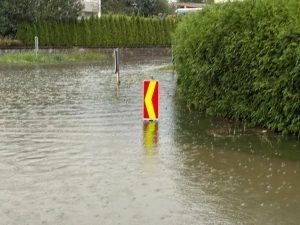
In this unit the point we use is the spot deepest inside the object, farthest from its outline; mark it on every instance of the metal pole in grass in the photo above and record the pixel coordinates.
(117, 65)
(36, 45)
(173, 59)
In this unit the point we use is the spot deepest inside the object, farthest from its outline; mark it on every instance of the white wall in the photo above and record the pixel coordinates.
(90, 5)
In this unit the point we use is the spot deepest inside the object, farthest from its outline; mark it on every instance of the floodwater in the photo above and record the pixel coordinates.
(74, 150)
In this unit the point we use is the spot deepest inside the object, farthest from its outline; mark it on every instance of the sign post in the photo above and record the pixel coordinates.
(117, 65)
(36, 45)
(151, 94)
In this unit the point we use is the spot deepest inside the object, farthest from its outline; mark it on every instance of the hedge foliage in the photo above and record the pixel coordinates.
(108, 31)
(241, 60)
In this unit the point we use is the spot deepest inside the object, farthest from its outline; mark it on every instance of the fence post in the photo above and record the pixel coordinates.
(117, 65)
(36, 45)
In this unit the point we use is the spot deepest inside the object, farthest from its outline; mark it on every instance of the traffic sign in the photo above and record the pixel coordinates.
(151, 93)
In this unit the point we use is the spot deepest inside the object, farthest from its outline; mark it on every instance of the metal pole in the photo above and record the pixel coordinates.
(36, 45)
(173, 60)
(117, 65)
(99, 8)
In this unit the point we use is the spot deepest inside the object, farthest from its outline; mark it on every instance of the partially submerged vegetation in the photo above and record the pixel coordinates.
(241, 61)
(48, 58)
(8, 42)
(167, 68)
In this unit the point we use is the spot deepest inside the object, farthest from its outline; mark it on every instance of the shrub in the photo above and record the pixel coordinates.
(6, 42)
(108, 31)
(241, 60)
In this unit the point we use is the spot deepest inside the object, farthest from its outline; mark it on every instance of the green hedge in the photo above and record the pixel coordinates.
(241, 61)
(108, 31)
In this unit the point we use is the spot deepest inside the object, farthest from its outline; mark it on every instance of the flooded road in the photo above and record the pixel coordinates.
(75, 150)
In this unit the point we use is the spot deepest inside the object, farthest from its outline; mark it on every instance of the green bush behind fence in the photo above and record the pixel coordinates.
(241, 61)
(107, 31)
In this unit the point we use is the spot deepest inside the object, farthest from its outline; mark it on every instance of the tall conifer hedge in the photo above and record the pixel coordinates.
(241, 60)
(108, 31)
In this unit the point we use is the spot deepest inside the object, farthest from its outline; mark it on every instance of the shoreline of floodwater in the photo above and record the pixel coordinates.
(27, 56)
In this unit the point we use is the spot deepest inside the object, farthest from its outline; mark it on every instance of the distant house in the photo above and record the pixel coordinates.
(183, 11)
(188, 5)
(91, 7)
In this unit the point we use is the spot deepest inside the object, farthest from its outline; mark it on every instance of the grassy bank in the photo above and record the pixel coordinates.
(241, 61)
(7, 42)
(49, 58)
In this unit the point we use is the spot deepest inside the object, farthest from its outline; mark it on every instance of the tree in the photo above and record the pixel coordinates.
(152, 7)
(13, 12)
(58, 9)
(5, 26)
(118, 6)
(136, 7)
(196, 1)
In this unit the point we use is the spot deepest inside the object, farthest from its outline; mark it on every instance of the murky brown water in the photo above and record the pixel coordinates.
(75, 150)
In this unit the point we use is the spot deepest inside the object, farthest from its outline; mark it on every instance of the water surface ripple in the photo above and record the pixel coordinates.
(75, 150)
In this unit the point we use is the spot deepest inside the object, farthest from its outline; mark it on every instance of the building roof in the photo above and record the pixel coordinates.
(188, 5)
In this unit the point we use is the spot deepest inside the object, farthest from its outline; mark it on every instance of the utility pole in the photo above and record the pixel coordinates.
(99, 8)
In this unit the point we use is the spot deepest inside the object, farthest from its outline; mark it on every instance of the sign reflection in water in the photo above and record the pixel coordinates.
(151, 136)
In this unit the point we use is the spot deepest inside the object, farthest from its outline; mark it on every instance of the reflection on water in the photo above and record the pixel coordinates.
(75, 150)
(151, 137)
(249, 176)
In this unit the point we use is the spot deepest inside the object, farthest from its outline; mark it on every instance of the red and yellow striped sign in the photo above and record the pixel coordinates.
(151, 99)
